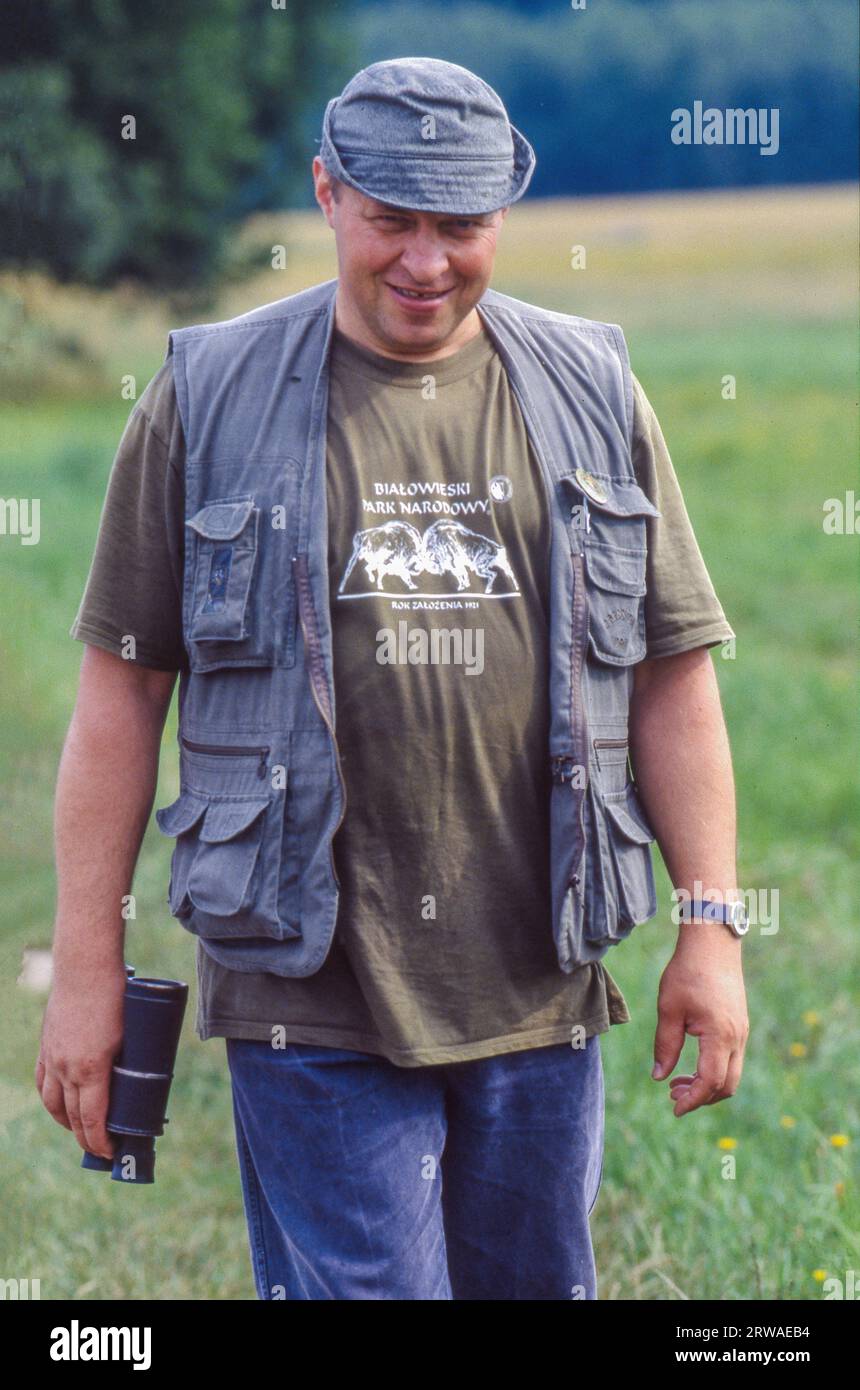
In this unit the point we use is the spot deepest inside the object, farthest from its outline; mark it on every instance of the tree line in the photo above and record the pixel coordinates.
(136, 133)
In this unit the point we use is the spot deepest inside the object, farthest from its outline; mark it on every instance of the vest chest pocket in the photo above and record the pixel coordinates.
(609, 515)
(234, 560)
(616, 603)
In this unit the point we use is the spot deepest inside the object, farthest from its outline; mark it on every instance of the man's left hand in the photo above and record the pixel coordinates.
(702, 993)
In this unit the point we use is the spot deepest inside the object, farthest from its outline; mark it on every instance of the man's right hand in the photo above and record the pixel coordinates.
(81, 1037)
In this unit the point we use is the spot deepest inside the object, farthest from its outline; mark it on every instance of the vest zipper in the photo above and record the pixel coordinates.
(610, 743)
(316, 670)
(579, 727)
(225, 750)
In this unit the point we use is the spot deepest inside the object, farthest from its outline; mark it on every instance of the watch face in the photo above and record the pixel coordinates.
(738, 919)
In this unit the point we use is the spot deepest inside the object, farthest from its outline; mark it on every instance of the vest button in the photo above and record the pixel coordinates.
(591, 486)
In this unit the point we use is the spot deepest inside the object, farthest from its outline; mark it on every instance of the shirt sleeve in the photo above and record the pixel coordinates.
(682, 610)
(134, 586)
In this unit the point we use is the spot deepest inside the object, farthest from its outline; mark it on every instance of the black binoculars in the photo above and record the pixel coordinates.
(141, 1077)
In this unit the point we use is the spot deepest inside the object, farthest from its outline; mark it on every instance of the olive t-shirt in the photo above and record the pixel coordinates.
(438, 550)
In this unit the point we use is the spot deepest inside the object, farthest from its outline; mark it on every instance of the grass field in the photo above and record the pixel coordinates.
(757, 285)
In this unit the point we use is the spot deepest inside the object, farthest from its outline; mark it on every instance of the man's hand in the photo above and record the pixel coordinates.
(702, 993)
(81, 1036)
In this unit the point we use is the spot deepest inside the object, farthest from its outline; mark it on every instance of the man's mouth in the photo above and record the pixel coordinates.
(410, 296)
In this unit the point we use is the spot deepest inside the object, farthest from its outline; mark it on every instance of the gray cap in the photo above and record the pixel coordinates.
(423, 134)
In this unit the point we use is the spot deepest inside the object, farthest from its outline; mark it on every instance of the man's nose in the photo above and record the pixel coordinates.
(425, 259)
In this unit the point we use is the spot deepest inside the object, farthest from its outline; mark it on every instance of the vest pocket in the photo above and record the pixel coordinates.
(616, 607)
(621, 890)
(177, 820)
(610, 761)
(609, 517)
(225, 623)
(225, 871)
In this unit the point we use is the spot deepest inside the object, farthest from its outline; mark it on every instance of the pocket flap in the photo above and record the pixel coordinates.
(628, 815)
(615, 496)
(618, 571)
(227, 819)
(181, 814)
(221, 521)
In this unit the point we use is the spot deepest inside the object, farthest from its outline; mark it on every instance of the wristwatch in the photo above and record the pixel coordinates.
(733, 914)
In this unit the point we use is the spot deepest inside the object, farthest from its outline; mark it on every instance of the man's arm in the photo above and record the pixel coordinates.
(105, 790)
(682, 763)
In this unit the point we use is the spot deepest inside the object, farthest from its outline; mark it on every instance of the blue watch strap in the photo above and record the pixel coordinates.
(732, 914)
(709, 911)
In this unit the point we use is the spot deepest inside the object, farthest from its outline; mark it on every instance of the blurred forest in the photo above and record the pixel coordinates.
(217, 90)
(594, 89)
(227, 98)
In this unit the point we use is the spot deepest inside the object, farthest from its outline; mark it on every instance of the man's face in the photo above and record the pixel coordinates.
(407, 281)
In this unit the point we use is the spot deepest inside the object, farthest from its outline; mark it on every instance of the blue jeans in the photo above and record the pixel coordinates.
(466, 1180)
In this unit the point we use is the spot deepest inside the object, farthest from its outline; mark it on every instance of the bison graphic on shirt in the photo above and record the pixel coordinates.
(446, 547)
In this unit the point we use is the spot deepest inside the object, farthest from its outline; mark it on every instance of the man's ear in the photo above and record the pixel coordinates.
(323, 190)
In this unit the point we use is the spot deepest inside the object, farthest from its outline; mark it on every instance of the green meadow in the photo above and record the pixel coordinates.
(753, 1198)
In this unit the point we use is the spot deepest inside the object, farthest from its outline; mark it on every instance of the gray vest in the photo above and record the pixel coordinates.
(262, 790)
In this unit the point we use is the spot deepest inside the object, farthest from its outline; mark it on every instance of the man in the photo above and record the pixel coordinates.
(419, 554)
